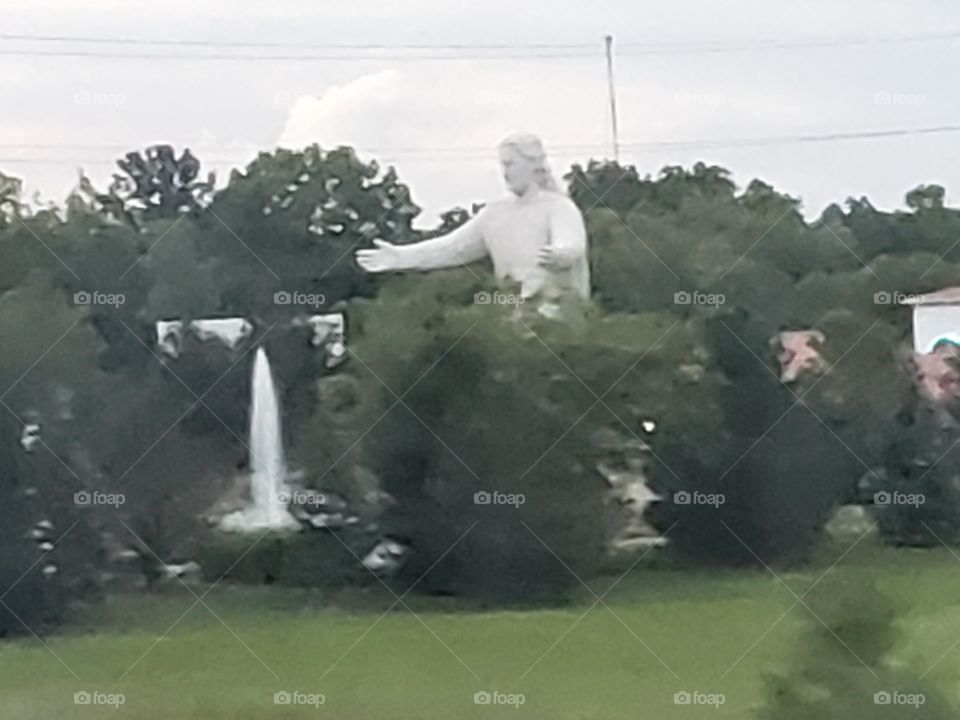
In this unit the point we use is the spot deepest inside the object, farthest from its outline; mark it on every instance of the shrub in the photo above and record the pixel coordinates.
(307, 559)
(839, 668)
(757, 472)
(33, 600)
(916, 498)
(504, 404)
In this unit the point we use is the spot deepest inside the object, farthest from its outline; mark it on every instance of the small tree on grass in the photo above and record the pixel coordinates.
(839, 668)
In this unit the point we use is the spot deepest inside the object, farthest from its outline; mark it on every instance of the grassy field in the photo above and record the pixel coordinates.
(665, 631)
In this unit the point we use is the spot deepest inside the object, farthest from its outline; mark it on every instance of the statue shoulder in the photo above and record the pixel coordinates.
(498, 206)
(491, 211)
(563, 206)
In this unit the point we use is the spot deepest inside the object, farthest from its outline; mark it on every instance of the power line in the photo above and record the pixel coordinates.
(436, 51)
(289, 58)
(726, 47)
(389, 150)
(651, 46)
(799, 139)
(286, 44)
(459, 154)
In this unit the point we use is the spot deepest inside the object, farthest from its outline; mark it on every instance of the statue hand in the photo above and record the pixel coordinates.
(548, 257)
(383, 258)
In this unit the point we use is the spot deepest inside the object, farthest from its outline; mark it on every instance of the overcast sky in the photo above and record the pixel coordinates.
(439, 120)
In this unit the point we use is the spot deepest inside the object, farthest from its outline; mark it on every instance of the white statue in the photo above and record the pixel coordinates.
(535, 238)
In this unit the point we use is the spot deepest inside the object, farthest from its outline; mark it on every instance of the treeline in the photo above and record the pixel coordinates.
(691, 390)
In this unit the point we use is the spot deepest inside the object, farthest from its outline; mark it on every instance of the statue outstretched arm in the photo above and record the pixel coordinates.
(463, 245)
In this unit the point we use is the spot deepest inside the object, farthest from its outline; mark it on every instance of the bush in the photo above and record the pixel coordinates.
(501, 404)
(31, 601)
(34, 601)
(757, 473)
(307, 559)
(839, 667)
(917, 497)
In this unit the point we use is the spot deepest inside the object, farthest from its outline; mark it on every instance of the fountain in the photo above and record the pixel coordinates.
(267, 508)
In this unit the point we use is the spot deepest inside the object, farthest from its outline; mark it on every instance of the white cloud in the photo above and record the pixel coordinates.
(439, 124)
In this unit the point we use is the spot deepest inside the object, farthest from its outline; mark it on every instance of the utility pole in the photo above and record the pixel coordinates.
(613, 99)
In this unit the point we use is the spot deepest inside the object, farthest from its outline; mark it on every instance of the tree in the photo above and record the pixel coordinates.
(157, 184)
(839, 668)
(926, 197)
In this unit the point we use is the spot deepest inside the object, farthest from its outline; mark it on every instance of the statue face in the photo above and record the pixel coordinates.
(518, 172)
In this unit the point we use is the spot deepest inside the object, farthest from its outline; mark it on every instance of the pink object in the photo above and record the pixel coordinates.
(799, 353)
(937, 375)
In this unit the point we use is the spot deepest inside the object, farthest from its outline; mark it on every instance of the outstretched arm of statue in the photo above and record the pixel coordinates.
(463, 245)
(568, 236)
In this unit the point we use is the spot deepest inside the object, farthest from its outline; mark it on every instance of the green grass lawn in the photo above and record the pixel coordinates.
(569, 662)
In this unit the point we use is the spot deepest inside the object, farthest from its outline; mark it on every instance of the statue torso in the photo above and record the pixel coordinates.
(514, 231)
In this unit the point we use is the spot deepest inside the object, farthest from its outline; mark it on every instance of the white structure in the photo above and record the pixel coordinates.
(936, 317)
(230, 331)
(30, 436)
(327, 333)
(169, 337)
(386, 557)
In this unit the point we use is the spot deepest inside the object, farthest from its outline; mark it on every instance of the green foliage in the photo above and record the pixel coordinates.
(919, 474)
(497, 401)
(154, 184)
(839, 669)
(114, 415)
(28, 595)
(491, 400)
(54, 341)
(736, 429)
(290, 221)
(308, 559)
(736, 433)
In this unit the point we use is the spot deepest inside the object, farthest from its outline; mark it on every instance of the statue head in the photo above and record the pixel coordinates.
(524, 164)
